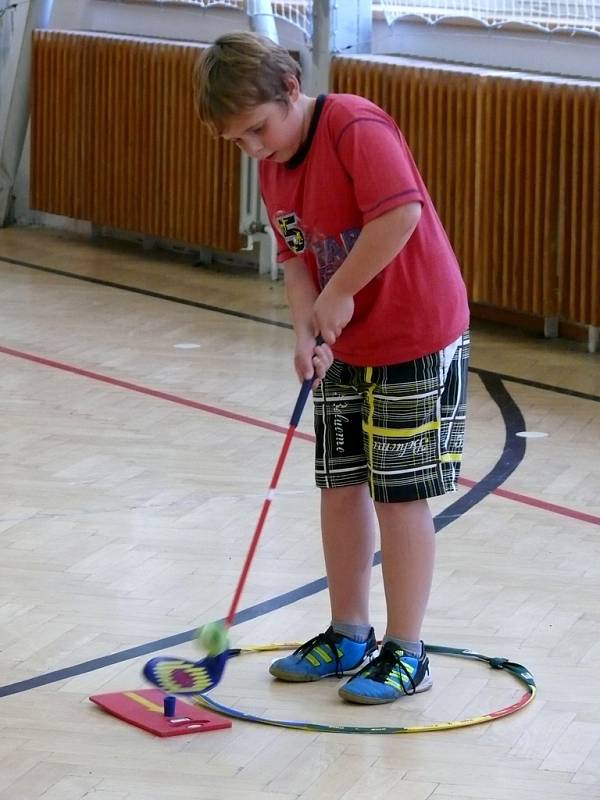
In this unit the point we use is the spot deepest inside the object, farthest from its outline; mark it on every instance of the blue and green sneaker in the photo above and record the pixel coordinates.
(324, 655)
(391, 675)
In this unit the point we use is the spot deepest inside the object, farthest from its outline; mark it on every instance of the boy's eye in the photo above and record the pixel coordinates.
(253, 131)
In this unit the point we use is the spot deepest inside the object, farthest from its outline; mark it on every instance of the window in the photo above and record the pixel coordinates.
(570, 16)
(549, 15)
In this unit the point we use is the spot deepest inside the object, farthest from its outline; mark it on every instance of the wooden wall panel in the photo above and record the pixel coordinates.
(513, 167)
(512, 164)
(115, 140)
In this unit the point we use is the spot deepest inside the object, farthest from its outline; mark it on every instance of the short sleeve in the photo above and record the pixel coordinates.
(284, 253)
(377, 159)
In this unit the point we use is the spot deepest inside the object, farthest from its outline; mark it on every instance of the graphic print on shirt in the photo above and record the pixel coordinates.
(331, 251)
(289, 225)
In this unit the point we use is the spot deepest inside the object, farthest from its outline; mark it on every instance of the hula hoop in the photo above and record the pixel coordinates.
(518, 671)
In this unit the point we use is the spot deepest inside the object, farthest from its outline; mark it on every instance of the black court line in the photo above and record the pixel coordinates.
(266, 321)
(483, 373)
(511, 456)
(147, 292)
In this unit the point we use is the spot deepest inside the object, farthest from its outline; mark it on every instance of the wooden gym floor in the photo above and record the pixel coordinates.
(133, 469)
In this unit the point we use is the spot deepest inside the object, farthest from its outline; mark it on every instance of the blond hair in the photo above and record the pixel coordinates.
(239, 72)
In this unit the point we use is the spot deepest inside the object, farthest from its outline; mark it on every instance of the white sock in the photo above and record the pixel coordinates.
(358, 633)
(415, 649)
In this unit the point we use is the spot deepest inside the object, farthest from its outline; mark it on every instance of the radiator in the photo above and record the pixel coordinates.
(513, 164)
(115, 140)
(513, 167)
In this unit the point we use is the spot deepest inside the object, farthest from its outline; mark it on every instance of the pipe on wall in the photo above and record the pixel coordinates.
(12, 137)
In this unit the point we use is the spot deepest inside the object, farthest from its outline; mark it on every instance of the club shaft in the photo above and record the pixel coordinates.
(259, 526)
(304, 392)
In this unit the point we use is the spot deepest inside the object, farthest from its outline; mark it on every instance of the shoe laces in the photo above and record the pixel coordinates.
(389, 658)
(328, 639)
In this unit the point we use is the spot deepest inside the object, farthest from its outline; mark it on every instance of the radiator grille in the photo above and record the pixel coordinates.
(513, 164)
(513, 167)
(115, 140)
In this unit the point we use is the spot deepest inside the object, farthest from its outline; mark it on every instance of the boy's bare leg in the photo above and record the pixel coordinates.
(407, 556)
(348, 529)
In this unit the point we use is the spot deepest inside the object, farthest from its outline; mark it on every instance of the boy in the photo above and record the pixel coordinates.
(367, 266)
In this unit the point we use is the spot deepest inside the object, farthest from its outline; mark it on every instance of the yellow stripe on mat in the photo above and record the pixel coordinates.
(143, 701)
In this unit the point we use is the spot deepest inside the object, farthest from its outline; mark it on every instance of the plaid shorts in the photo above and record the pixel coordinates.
(400, 428)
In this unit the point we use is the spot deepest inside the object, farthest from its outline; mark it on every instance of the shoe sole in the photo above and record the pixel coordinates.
(290, 677)
(364, 700)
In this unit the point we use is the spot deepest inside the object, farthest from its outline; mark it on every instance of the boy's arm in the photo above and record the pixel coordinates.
(379, 242)
(301, 292)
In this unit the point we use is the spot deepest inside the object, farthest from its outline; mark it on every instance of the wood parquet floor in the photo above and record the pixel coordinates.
(129, 493)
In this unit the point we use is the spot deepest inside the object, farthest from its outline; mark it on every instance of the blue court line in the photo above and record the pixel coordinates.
(252, 612)
(512, 455)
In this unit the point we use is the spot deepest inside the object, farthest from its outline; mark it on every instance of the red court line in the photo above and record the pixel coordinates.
(182, 401)
(134, 387)
(536, 503)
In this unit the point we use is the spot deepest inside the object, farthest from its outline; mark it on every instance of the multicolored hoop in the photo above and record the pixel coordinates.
(518, 671)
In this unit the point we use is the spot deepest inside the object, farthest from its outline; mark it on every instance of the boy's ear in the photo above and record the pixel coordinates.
(293, 87)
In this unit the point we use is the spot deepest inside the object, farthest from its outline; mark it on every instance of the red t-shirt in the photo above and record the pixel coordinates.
(357, 167)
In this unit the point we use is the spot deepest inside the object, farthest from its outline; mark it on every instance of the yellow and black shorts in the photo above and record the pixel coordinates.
(400, 428)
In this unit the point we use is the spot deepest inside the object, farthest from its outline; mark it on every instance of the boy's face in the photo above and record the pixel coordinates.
(270, 131)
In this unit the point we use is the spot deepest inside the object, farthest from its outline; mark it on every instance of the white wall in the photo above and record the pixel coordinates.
(13, 24)
(157, 19)
(555, 54)
(540, 52)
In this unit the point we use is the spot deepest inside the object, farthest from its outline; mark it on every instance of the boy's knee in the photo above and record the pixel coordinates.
(346, 494)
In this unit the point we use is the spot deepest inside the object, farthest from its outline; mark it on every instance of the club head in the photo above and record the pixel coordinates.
(180, 676)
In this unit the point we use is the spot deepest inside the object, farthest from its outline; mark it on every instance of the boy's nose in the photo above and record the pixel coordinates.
(254, 149)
